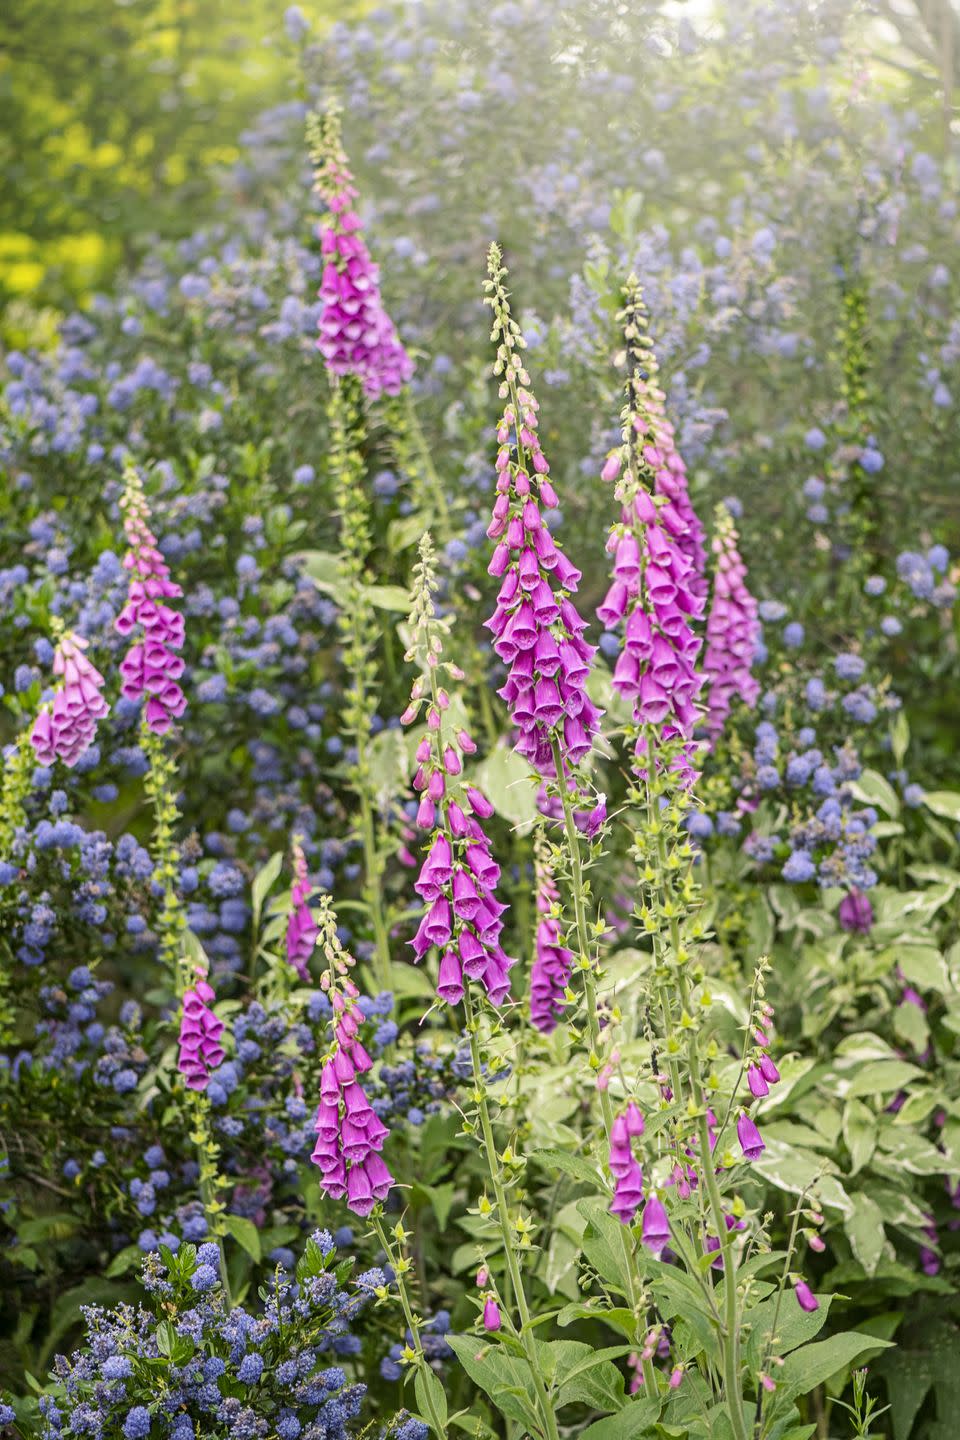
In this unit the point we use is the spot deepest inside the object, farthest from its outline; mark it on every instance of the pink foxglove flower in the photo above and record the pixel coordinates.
(357, 336)
(856, 912)
(150, 668)
(301, 926)
(751, 1142)
(537, 629)
(457, 883)
(200, 1031)
(492, 1319)
(733, 631)
(656, 596)
(350, 1135)
(64, 729)
(655, 1231)
(625, 1168)
(805, 1296)
(552, 961)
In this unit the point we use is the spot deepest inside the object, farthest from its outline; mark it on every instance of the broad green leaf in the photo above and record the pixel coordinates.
(324, 570)
(123, 1261)
(872, 789)
(505, 1378)
(246, 1235)
(859, 1133)
(504, 777)
(864, 1230)
(263, 882)
(636, 1419)
(945, 803)
(923, 966)
(389, 597)
(809, 1367)
(573, 1165)
(431, 1398)
(881, 1077)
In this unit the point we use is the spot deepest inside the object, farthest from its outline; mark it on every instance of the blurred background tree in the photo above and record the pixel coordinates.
(114, 114)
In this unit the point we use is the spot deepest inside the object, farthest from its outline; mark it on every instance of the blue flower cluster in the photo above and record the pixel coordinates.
(190, 1366)
(433, 1333)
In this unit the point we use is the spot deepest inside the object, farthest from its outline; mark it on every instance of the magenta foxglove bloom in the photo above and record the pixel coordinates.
(537, 629)
(150, 668)
(856, 912)
(733, 631)
(350, 1135)
(492, 1319)
(200, 1031)
(751, 1142)
(357, 336)
(671, 475)
(458, 877)
(552, 962)
(805, 1296)
(657, 594)
(302, 929)
(655, 1232)
(64, 729)
(624, 1167)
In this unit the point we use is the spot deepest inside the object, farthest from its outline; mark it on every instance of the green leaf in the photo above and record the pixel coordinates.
(923, 966)
(504, 777)
(635, 1419)
(859, 1133)
(900, 736)
(805, 1369)
(324, 570)
(246, 1235)
(389, 597)
(872, 789)
(883, 1076)
(573, 1165)
(431, 1398)
(945, 803)
(864, 1230)
(505, 1378)
(263, 882)
(592, 1380)
(123, 1261)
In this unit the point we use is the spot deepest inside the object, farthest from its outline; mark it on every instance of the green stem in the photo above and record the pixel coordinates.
(513, 1265)
(413, 1322)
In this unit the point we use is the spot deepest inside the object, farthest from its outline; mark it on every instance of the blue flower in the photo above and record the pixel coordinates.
(137, 1423)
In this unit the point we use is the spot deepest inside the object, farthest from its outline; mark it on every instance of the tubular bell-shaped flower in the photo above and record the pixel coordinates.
(301, 926)
(733, 630)
(458, 878)
(552, 963)
(64, 730)
(150, 667)
(200, 1031)
(537, 629)
(625, 1168)
(350, 1135)
(357, 336)
(656, 594)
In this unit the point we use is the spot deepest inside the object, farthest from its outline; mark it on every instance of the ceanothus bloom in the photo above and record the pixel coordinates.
(458, 877)
(733, 631)
(301, 926)
(65, 728)
(537, 629)
(656, 595)
(357, 336)
(199, 1041)
(350, 1134)
(150, 668)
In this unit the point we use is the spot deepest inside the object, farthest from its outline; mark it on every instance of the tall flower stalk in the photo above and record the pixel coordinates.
(363, 357)
(462, 924)
(733, 630)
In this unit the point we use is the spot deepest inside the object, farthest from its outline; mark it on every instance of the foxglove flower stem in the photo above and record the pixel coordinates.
(400, 1265)
(508, 1233)
(359, 633)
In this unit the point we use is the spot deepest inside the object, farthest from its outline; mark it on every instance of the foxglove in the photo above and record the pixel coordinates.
(552, 962)
(350, 1135)
(301, 926)
(733, 631)
(200, 1032)
(458, 877)
(64, 730)
(357, 336)
(537, 630)
(625, 1168)
(656, 595)
(150, 668)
